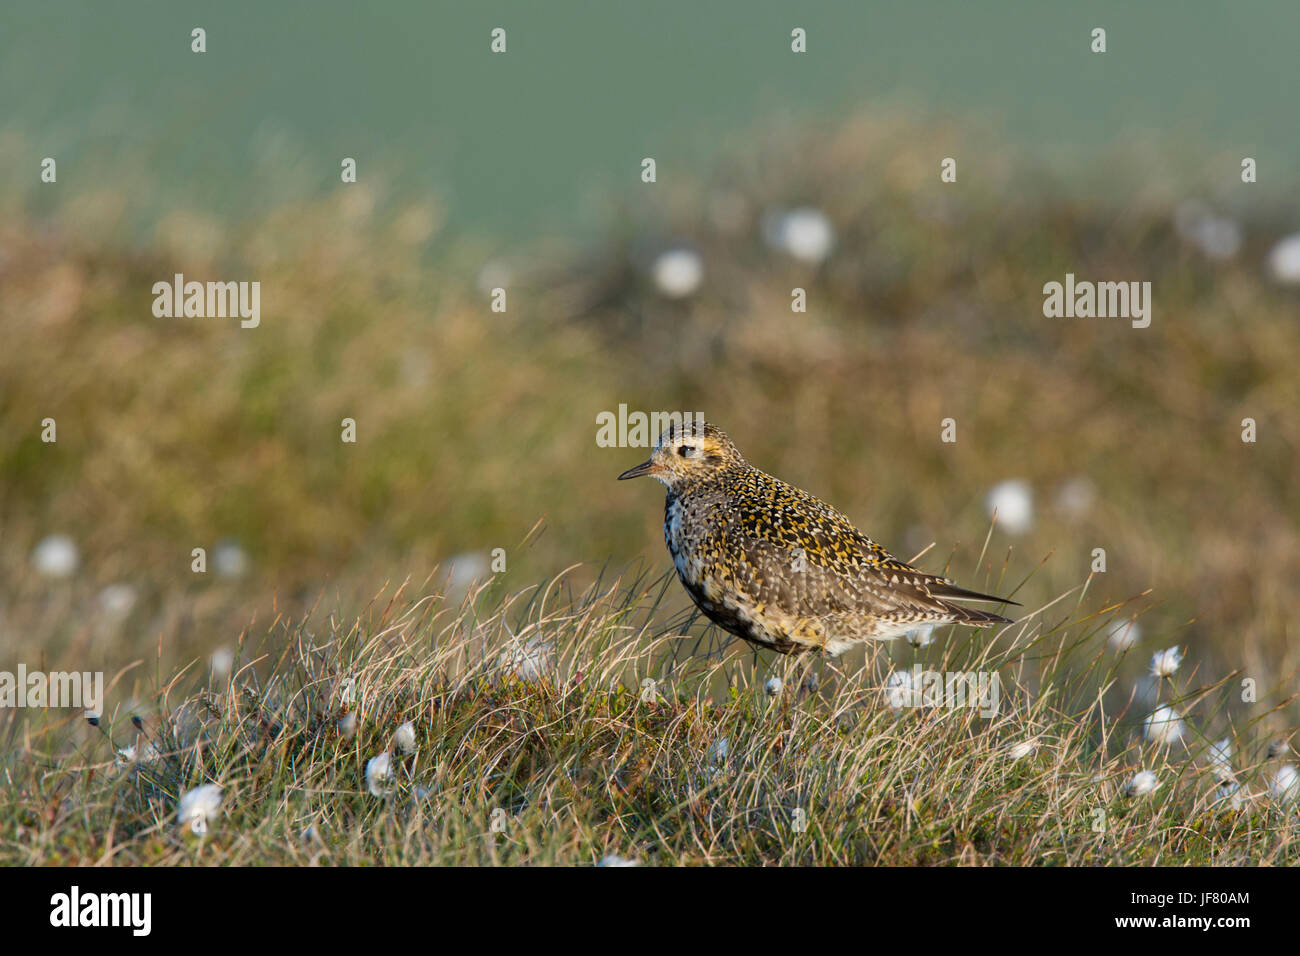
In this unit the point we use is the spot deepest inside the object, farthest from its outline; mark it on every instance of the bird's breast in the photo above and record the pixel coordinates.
(694, 542)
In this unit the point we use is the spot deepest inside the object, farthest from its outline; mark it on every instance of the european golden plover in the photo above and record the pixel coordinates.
(779, 567)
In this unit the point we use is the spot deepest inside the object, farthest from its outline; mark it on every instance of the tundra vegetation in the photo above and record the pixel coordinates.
(468, 565)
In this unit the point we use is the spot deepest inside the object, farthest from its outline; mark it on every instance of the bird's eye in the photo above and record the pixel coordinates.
(686, 451)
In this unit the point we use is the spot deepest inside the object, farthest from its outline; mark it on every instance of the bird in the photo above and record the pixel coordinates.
(779, 567)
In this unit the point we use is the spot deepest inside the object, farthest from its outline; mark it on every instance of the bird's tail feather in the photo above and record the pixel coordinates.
(966, 615)
(951, 592)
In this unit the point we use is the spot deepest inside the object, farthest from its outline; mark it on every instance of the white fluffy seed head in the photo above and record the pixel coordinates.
(221, 663)
(1012, 502)
(678, 273)
(1284, 260)
(404, 738)
(1021, 749)
(1123, 634)
(379, 774)
(198, 806)
(1141, 783)
(56, 557)
(229, 559)
(922, 636)
(1165, 663)
(1285, 784)
(528, 660)
(805, 233)
(1218, 237)
(116, 601)
(1164, 726)
(467, 569)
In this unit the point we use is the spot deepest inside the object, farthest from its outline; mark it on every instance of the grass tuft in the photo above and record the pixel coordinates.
(561, 728)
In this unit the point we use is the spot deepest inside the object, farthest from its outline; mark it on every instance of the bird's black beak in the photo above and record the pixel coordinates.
(647, 467)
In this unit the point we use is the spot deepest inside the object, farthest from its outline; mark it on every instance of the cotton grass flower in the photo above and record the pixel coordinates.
(1278, 748)
(678, 273)
(1142, 783)
(1284, 786)
(1217, 237)
(133, 755)
(804, 233)
(347, 725)
(1123, 634)
(1284, 260)
(198, 806)
(467, 569)
(116, 601)
(229, 559)
(1021, 749)
(1163, 726)
(1012, 502)
(774, 687)
(615, 860)
(221, 663)
(56, 557)
(536, 662)
(1165, 663)
(921, 636)
(379, 774)
(404, 738)
(529, 660)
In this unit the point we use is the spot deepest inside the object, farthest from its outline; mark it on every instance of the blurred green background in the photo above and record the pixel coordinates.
(534, 143)
(522, 171)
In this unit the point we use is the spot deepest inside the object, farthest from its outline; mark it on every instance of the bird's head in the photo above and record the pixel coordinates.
(688, 452)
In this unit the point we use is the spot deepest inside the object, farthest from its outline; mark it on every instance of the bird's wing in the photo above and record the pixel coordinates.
(804, 557)
(808, 559)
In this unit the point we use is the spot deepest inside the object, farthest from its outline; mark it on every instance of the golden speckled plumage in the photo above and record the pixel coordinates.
(779, 567)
